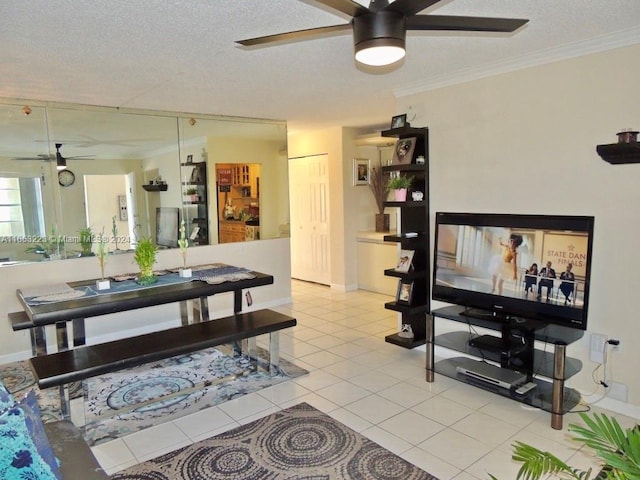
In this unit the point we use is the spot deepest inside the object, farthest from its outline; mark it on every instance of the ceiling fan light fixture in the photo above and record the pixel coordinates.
(379, 39)
(378, 53)
(61, 163)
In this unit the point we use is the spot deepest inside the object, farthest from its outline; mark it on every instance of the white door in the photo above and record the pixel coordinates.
(309, 204)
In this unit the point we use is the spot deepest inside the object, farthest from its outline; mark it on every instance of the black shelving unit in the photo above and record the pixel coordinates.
(196, 212)
(414, 218)
(548, 370)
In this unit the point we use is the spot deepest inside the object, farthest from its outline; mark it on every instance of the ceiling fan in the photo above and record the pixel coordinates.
(379, 31)
(61, 162)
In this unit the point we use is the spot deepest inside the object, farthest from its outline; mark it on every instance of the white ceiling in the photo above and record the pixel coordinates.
(180, 55)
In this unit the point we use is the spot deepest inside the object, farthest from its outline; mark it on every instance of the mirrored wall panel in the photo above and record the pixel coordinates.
(71, 172)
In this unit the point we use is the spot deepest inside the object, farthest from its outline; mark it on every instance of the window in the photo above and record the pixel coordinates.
(21, 211)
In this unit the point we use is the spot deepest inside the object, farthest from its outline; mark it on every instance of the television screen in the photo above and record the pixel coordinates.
(167, 226)
(528, 266)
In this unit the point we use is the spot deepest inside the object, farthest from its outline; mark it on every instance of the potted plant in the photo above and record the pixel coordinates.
(86, 241)
(380, 190)
(400, 184)
(192, 194)
(145, 257)
(183, 243)
(619, 449)
(102, 254)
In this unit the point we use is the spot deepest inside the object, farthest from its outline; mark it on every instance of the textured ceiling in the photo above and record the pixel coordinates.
(180, 55)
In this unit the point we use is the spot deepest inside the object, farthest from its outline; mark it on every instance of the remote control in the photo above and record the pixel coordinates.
(526, 387)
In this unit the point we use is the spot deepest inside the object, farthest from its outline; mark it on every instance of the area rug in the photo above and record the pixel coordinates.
(131, 400)
(297, 443)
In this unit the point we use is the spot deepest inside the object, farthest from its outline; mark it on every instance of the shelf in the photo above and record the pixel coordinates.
(543, 332)
(156, 188)
(620, 153)
(404, 132)
(404, 167)
(542, 360)
(539, 397)
(404, 342)
(392, 272)
(407, 309)
(407, 204)
(401, 237)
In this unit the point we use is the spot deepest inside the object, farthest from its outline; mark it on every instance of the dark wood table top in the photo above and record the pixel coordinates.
(105, 303)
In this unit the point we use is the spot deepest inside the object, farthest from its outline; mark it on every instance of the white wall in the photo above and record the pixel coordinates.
(267, 256)
(494, 142)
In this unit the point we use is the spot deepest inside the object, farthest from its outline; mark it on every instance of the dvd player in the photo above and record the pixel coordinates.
(492, 374)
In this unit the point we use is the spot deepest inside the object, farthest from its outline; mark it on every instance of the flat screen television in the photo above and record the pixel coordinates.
(167, 226)
(483, 262)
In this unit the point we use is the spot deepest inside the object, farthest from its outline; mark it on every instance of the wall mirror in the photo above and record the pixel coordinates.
(125, 169)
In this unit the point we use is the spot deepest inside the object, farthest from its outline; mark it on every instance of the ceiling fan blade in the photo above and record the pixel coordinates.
(351, 8)
(39, 157)
(295, 35)
(464, 24)
(410, 7)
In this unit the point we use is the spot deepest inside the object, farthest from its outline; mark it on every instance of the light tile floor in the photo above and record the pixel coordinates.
(450, 429)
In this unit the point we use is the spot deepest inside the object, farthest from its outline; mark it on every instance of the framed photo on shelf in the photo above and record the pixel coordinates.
(404, 295)
(361, 171)
(399, 121)
(195, 176)
(404, 261)
(403, 151)
(189, 158)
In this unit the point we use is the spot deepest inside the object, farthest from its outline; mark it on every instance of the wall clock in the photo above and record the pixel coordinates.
(66, 177)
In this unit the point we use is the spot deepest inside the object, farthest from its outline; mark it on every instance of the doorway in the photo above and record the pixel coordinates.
(309, 194)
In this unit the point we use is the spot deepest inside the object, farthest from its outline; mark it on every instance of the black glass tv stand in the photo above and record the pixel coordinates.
(512, 347)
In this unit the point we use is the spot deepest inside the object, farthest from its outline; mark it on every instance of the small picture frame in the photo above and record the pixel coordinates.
(399, 121)
(404, 295)
(403, 151)
(361, 171)
(195, 176)
(189, 158)
(404, 261)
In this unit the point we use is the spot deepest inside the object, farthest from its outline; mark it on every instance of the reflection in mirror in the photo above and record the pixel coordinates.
(122, 167)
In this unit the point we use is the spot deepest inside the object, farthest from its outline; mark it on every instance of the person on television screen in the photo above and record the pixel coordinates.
(530, 278)
(506, 265)
(567, 284)
(547, 275)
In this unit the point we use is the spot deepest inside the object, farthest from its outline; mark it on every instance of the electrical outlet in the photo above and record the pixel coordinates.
(597, 347)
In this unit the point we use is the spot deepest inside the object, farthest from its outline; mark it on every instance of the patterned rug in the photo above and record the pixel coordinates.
(131, 400)
(294, 444)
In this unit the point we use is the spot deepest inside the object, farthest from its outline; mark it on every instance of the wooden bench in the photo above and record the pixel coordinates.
(62, 368)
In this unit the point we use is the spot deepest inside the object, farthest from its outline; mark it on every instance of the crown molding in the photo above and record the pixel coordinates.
(597, 44)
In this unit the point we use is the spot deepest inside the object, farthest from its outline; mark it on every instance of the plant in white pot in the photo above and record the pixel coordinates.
(400, 184)
(102, 254)
(183, 243)
(145, 257)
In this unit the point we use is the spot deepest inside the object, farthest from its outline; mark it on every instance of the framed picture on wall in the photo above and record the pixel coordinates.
(189, 158)
(404, 294)
(403, 151)
(361, 171)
